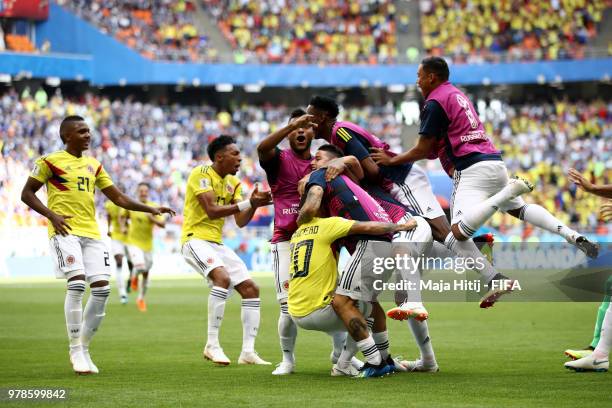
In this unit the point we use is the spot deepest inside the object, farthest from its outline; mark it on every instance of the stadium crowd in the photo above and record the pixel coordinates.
(157, 29)
(482, 30)
(160, 144)
(356, 32)
(298, 31)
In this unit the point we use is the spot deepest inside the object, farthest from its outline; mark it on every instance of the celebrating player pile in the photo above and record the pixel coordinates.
(80, 255)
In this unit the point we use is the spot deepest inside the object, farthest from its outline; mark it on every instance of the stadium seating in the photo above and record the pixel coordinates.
(157, 29)
(483, 30)
(19, 43)
(297, 31)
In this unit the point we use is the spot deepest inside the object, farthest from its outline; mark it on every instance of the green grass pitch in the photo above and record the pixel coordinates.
(507, 356)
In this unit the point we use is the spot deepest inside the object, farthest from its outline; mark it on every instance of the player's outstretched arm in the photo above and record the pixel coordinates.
(160, 222)
(265, 148)
(108, 222)
(256, 200)
(348, 165)
(123, 201)
(311, 206)
(421, 151)
(380, 228)
(28, 196)
(604, 190)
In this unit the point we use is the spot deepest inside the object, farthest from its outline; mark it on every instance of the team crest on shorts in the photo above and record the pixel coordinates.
(286, 285)
(70, 259)
(210, 260)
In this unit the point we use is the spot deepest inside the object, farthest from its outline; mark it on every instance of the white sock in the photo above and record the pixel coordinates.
(475, 217)
(382, 343)
(94, 313)
(287, 332)
(439, 250)
(348, 352)
(369, 350)
(469, 250)
(119, 281)
(540, 217)
(250, 316)
(338, 340)
(73, 310)
(142, 288)
(605, 341)
(216, 310)
(420, 331)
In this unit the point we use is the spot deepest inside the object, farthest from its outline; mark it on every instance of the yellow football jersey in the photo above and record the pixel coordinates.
(314, 265)
(71, 183)
(196, 223)
(140, 231)
(114, 212)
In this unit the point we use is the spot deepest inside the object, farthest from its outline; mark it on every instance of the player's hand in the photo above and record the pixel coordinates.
(304, 122)
(108, 233)
(260, 198)
(163, 210)
(408, 226)
(334, 168)
(59, 223)
(575, 177)
(380, 156)
(605, 212)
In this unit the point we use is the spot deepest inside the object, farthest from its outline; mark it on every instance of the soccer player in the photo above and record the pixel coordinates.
(408, 183)
(598, 360)
(284, 169)
(213, 193)
(311, 300)
(80, 254)
(140, 243)
(451, 131)
(118, 236)
(341, 196)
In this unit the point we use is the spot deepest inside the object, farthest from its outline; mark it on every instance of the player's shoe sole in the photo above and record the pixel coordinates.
(589, 248)
(397, 313)
(520, 186)
(492, 296)
(578, 354)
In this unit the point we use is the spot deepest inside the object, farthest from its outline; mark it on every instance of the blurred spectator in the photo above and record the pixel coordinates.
(319, 31)
(480, 30)
(157, 29)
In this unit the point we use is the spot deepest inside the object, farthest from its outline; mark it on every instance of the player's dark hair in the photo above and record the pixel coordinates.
(326, 104)
(144, 183)
(334, 150)
(437, 66)
(297, 113)
(66, 121)
(218, 144)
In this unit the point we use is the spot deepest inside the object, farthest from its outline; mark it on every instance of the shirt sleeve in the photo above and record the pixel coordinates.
(237, 193)
(317, 179)
(200, 182)
(271, 166)
(352, 145)
(41, 171)
(337, 227)
(103, 180)
(434, 122)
